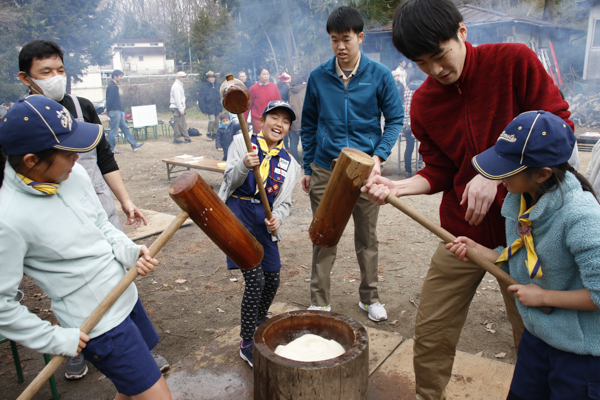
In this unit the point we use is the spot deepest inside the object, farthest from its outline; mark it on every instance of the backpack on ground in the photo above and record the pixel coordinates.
(194, 132)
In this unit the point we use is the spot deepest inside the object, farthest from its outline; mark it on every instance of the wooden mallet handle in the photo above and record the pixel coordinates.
(99, 312)
(447, 237)
(236, 92)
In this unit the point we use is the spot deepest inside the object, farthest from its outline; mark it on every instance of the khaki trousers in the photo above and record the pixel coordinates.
(449, 287)
(180, 128)
(365, 243)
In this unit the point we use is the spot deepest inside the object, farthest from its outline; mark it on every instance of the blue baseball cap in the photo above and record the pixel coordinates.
(36, 123)
(533, 139)
(279, 104)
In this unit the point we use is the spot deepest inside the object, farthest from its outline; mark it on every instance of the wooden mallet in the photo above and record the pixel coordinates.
(199, 202)
(236, 99)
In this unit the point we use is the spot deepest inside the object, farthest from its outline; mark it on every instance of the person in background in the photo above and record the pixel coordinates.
(116, 115)
(279, 173)
(283, 84)
(228, 128)
(209, 102)
(242, 76)
(345, 99)
(261, 93)
(40, 60)
(297, 93)
(177, 105)
(401, 73)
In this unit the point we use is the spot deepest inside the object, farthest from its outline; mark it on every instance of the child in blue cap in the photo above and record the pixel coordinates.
(553, 232)
(54, 229)
(279, 172)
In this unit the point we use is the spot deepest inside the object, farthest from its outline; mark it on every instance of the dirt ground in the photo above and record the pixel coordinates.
(189, 315)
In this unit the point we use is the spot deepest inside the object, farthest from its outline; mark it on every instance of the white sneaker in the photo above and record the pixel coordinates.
(376, 311)
(319, 308)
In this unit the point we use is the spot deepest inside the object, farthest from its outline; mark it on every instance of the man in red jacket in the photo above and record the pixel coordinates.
(470, 95)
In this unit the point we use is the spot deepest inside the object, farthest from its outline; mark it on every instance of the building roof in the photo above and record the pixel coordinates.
(139, 40)
(130, 51)
(476, 16)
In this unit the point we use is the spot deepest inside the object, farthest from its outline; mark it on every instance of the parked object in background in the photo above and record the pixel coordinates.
(194, 132)
(586, 141)
(100, 106)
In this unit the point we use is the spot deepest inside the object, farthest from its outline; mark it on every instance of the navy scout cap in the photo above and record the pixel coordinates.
(36, 123)
(533, 139)
(279, 104)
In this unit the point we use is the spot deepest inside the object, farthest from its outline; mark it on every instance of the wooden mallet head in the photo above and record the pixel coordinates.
(216, 220)
(235, 95)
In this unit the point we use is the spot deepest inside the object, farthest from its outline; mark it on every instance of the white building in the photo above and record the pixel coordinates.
(140, 56)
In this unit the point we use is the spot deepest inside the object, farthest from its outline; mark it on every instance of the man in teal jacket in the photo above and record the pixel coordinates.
(345, 99)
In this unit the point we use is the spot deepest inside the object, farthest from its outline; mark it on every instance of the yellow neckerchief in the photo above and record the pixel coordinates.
(524, 231)
(48, 188)
(267, 155)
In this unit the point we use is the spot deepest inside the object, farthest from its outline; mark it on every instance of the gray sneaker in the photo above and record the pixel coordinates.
(162, 363)
(76, 367)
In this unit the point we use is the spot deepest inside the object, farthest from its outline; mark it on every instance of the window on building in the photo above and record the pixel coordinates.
(596, 39)
(153, 44)
(141, 58)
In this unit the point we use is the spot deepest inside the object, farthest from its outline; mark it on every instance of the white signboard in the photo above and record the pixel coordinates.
(144, 116)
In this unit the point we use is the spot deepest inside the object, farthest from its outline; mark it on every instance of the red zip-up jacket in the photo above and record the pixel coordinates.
(456, 122)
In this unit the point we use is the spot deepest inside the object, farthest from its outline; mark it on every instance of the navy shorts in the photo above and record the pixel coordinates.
(252, 216)
(543, 372)
(123, 353)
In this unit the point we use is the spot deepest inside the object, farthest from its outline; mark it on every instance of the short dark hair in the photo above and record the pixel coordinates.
(38, 50)
(345, 19)
(117, 72)
(419, 26)
(223, 116)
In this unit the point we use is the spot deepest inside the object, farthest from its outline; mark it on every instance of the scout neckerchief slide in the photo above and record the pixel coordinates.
(524, 231)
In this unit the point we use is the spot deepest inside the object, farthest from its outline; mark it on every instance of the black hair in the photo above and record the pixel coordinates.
(420, 26)
(117, 72)
(223, 116)
(38, 50)
(556, 179)
(16, 162)
(345, 19)
(260, 69)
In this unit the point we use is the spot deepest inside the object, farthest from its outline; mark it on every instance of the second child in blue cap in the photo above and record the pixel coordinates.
(279, 172)
(54, 229)
(553, 232)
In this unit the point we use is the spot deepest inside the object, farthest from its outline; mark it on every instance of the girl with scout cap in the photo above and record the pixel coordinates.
(279, 172)
(553, 232)
(54, 229)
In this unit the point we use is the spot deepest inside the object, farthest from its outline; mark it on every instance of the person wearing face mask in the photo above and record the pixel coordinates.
(40, 63)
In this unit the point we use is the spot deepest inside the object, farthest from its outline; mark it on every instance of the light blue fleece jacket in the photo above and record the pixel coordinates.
(566, 235)
(66, 244)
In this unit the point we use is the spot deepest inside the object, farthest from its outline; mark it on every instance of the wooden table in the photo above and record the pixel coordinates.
(193, 162)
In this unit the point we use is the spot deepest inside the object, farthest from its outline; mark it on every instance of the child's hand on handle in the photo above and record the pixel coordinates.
(529, 295)
(145, 263)
(83, 339)
(459, 247)
(272, 224)
(251, 160)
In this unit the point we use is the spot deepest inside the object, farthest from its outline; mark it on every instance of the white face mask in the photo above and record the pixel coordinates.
(54, 88)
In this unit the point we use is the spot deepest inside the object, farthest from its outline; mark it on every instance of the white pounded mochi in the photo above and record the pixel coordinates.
(310, 347)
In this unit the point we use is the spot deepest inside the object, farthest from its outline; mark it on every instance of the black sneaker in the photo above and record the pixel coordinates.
(177, 142)
(246, 354)
(188, 140)
(76, 367)
(137, 146)
(162, 363)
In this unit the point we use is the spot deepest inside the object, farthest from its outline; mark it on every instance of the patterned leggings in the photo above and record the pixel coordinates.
(259, 292)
